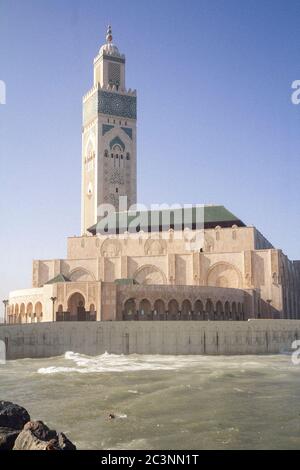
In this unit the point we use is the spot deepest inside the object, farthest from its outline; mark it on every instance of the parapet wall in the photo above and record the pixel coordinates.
(191, 337)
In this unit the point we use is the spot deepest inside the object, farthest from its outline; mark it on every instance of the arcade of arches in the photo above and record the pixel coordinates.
(186, 310)
(25, 313)
(33, 313)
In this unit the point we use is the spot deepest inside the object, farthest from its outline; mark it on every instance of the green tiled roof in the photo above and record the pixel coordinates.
(194, 217)
(218, 214)
(58, 278)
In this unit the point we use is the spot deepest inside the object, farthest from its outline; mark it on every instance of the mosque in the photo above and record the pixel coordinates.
(198, 263)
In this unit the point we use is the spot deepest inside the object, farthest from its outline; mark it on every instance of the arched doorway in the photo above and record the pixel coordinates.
(76, 307)
(92, 313)
(198, 310)
(38, 312)
(16, 314)
(29, 313)
(22, 313)
(234, 311)
(186, 310)
(173, 310)
(145, 310)
(227, 310)
(159, 310)
(219, 311)
(129, 312)
(209, 310)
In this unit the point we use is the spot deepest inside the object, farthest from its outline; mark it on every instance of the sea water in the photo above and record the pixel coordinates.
(161, 402)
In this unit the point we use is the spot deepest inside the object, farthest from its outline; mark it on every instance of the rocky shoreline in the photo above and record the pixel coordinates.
(18, 432)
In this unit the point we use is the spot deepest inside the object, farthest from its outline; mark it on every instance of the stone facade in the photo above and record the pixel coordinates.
(93, 339)
(235, 274)
(228, 267)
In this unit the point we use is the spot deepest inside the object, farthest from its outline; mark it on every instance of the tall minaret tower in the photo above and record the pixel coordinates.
(108, 136)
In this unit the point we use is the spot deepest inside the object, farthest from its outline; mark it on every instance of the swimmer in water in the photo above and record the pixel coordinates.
(111, 416)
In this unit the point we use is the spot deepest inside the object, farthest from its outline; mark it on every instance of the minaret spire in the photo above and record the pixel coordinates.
(109, 36)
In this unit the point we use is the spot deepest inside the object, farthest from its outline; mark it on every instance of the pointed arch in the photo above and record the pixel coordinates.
(80, 275)
(224, 274)
(150, 275)
(117, 141)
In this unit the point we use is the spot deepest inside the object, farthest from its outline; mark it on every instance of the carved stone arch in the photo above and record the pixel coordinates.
(81, 275)
(129, 309)
(111, 248)
(76, 304)
(117, 141)
(217, 232)
(90, 145)
(38, 311)
(224, 274)
(73, 293)
(29, 310)
(159, 309)
(22, 309)
(155, 247)
(150, 275)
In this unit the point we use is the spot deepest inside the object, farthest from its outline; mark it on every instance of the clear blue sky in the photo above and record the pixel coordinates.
(216, 123)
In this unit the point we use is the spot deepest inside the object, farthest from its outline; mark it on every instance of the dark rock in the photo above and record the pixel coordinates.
(8, 437)
(64, 442)
(40, 430)
(12, 416)
(37, 436)
(17, 432)
(27, 441)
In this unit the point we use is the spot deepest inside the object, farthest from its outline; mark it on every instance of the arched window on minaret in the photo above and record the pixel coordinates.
(117, 155)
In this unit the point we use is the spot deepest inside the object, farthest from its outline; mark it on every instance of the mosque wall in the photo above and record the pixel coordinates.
(90, 338)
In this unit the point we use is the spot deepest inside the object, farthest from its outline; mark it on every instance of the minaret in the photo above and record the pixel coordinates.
(108, 136)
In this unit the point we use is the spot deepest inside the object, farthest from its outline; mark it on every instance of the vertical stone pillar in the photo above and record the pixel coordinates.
(196, 269)
(248, 271)
(171, 274)
(124, 267)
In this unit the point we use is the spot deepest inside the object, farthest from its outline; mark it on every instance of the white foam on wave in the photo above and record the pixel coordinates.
(111, 363)
(130, 363)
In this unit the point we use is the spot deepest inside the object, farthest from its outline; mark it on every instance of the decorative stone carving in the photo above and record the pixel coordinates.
(111, 248)
(224, 273)
(80, 275)
(116, 104)
(155, 247)
(150, 275)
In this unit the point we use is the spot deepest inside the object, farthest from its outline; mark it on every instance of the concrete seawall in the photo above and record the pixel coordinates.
(190, 337)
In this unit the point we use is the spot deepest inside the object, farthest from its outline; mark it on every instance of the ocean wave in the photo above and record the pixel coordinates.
(111, 363)
(215, 366)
